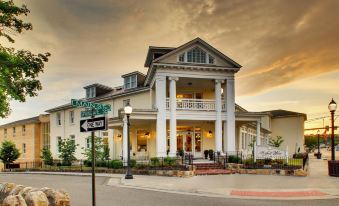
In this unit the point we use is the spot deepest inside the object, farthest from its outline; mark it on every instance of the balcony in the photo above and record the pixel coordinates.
(195, 104)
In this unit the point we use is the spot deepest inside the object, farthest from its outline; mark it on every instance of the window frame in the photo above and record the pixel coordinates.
(71, 117)
(59, 139)
(185, 56)
(14, 131)
(129, 82)
(23, 130)
(24, 148)
(58, 118)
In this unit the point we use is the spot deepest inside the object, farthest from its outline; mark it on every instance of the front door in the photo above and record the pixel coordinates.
(190, 142)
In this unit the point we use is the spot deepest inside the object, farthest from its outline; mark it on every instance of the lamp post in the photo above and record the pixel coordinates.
(128, 111)
(332, 106)
(318, 154)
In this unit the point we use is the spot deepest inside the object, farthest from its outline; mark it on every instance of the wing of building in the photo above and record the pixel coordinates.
(186, 101)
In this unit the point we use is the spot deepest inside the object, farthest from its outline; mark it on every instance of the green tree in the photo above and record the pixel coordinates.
(276, 142)
(8, 152)
(67, 151)
(19, 69)
(106, 152)
(99, 150)
(46, 156)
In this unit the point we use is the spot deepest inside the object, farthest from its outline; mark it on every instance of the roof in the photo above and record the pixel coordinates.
(155, 49)
(21, 122)
(285, 113)
(131, 73)
(99, 86)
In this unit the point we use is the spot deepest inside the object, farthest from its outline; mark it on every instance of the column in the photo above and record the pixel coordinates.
(173, 116)
(160, 100)
(230, 108)
(218, 122)
(258, 140)
(124, 141)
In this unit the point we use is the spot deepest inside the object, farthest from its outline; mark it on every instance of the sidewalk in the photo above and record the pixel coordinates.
(318, 185)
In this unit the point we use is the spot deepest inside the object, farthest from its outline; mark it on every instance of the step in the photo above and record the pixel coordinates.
(213, 172)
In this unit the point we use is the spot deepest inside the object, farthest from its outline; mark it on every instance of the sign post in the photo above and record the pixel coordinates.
(92, 125)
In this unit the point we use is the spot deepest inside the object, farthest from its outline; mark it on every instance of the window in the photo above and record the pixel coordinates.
(210, 59)
(58, 119)
(130, 82)
(105, 141)
(23, 129)
(45, 135)
(105, 134)
(14, 131)
(71, 117)
(182, 57)
(88, 142)
(142, 136)
(24, 148)
(59, 143)
(126, 102)
(5, 133)
(90, 92)
(196, 55)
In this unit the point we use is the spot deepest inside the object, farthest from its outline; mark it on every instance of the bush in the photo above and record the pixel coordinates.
(211, 154)
(101, 163)
(206, 154)
(181, 152)
(8, 152)
(116, 164)
(234, 159)
(47, 156)
(133, 163)
(169, 161)
(155, 161)
(248, 161)
(88, 163)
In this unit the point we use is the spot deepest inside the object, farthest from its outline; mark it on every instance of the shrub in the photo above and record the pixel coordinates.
(248, 161)
(278, 161)
(88, 163)
(169, 161)
(181, 152)
(155, 161)
(206, 154)
(8, 152)
(133, 163)
(67, 151)
(46, 156)
(101, 163)
(211, 154)
(116, 164)
(234, 159)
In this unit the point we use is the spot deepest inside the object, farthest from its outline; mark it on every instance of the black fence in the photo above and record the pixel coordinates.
(157, 163)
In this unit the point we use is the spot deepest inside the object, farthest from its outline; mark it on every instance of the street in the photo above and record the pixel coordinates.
(79, 189)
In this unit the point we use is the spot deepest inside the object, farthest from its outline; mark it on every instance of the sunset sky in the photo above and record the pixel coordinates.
(289, 50)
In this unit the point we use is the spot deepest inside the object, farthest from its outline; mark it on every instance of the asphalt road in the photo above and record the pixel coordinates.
(80, 192)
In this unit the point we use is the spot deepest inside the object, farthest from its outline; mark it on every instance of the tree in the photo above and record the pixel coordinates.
(106, 152)
(67, 151)
(46, 156)
(8, 152)
(275, 142)
(19, 69)
(99, 150)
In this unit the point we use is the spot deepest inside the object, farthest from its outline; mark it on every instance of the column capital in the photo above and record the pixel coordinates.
(173, 78)
(160, 78)
(230, 78)
(221, 81)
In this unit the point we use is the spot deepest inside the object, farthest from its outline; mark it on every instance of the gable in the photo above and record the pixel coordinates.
(219, 59)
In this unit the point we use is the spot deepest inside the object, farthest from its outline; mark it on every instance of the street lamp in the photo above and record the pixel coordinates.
(128, 111)
(318, 154)
(332, 106)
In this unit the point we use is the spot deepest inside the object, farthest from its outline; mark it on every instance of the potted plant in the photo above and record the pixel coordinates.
(206, 154)
(211, 154)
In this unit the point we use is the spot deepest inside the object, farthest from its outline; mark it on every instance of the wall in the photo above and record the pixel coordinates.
(292, 131)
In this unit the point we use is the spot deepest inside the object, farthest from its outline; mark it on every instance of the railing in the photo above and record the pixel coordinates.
(195, 104)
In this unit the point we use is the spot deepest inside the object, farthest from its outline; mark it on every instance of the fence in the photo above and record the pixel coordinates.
(248, 162)
(157, 163)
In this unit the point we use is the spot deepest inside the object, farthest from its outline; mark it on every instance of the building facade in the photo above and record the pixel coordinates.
(186, 101)
(29, 135)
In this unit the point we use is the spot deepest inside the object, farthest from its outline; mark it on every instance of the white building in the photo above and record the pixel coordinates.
(186, 101)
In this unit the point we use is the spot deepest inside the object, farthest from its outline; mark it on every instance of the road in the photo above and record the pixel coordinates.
(80, 192)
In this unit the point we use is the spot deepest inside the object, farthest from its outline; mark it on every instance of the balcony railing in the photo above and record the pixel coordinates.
(195, 104)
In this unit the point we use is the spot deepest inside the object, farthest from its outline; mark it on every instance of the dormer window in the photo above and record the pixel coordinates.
(196, 55)
(90, 92)
(130, 82)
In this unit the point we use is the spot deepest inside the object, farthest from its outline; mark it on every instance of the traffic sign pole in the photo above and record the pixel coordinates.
(93, 164)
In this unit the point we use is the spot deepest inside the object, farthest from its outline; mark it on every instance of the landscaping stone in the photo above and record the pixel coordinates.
(17, 189)
(300, 173)
(36, 198)
(5, 189)
(56, 197)
(14, 200)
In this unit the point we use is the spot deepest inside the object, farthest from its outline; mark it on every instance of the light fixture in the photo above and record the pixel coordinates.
(332, 106)
(128, 109)
(210, 133)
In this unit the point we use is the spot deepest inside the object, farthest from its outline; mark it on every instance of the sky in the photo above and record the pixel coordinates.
(289, 49)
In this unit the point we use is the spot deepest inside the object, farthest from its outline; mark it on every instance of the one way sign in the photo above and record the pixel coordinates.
(95, 124)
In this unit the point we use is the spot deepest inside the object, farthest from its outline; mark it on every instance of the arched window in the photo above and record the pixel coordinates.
(196, 55)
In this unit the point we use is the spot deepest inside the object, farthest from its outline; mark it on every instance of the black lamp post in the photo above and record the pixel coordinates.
(128, 111)
(332, 106)
(318, 154)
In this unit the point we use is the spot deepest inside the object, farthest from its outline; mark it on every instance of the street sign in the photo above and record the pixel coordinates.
(88, 113)
(91, 125)
(92, 105)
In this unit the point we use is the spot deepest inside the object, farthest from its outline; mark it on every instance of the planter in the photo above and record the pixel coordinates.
(333, 168)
